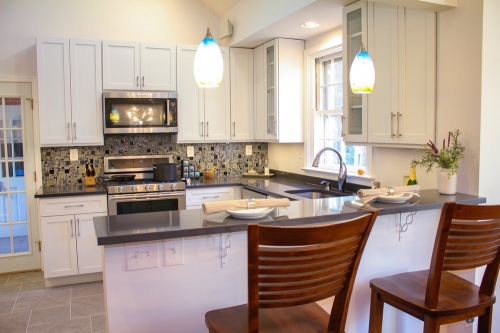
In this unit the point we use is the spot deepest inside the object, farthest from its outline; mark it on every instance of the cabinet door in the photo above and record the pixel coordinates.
(190, 102)
(158, 67)
(196, 197)
(89, 253)
(242, 111)
(383, 102)
(120, 65)
(418, 72)
(271, 81)
(59, 246)
(260, 94)
(354, 30)
(86, 92)
(53, 68)
(218, 106)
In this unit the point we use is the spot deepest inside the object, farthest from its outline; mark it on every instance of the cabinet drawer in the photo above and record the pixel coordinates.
(196, 197)
(73, 205)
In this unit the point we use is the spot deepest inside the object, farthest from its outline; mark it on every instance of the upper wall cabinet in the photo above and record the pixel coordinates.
(402, 43)
(70, 92)
(139, 66)
(204, 113)
(242, 110)
(278, 90)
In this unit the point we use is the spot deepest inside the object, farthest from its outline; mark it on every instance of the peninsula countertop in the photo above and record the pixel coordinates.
(143, 227)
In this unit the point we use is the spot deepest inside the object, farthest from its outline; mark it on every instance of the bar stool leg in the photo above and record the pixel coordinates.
(484, 321)
(431, 325)
(376, 313)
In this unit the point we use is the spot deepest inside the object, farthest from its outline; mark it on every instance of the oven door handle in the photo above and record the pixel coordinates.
(135, 197)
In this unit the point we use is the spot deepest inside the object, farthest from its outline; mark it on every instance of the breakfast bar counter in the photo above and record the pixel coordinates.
(163, 271)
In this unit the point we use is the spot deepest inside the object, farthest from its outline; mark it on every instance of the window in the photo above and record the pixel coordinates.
(328, 113)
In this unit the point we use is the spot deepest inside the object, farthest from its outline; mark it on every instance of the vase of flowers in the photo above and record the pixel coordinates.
(447, 159)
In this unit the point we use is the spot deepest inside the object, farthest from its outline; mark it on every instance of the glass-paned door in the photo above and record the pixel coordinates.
(17, 232)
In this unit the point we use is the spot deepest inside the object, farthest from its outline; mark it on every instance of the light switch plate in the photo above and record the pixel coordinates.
(248, 150)
(190, 151)
(142, 255)
(73, 154)
(174, 251)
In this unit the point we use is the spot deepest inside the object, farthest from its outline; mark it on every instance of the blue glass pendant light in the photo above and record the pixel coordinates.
(208, 64)
(362, 76)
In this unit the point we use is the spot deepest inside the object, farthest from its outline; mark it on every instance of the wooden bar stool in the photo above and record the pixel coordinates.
(468, 236)
(289, 269)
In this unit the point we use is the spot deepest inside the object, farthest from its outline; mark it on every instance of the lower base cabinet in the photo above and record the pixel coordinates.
(69, 243)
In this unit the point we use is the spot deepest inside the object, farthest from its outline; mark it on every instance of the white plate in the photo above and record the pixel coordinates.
(255, 213)
(395, 198)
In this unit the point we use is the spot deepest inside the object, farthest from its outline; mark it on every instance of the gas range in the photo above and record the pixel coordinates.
(144, 186)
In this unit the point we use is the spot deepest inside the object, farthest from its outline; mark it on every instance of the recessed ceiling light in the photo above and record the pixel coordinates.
(309, 25)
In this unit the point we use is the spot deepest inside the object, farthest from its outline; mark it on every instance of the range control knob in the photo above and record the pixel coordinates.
(134, 188)
(120, 189)
(173, 186)
(160, 187)
(148, 187)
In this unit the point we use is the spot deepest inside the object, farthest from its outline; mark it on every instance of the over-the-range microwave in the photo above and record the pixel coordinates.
(133, 112)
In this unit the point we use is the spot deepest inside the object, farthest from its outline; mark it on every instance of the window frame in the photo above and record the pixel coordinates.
(310, 56)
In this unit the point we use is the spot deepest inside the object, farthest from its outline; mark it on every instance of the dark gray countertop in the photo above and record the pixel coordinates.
(64, 191)
(189, 223)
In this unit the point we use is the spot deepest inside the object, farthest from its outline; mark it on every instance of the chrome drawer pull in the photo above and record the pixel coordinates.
(214, 197)
(74, 206)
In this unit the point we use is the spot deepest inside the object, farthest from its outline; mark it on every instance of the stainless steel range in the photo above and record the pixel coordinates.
(132, 188)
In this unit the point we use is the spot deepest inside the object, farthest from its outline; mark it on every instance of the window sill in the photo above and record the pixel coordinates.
(351, 177)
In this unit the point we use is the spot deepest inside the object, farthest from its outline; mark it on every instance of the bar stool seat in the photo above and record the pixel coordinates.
(468, 237)
(289, 270)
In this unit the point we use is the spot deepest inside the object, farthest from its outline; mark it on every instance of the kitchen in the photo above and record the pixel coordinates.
(472, 23)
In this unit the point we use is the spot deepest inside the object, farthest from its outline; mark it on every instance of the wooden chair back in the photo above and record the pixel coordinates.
(468, 237)
(291, 266)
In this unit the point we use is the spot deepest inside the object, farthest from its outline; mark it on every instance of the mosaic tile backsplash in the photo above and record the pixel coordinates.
(228, 158)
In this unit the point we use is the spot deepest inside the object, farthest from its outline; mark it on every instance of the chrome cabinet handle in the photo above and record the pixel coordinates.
(74, 131)
(207, 129)
(234, 128)
(73, 206)
(201, 132)
(137, 81)
(342, 128)
(399, 115)
(275, 129)
(68, 132)
(392, 124)
(143, 81)
(78, 226)
(71, 226)
(214, 197)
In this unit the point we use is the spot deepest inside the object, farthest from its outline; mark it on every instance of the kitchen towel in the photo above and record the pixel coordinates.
(220, 206)
(369, 195)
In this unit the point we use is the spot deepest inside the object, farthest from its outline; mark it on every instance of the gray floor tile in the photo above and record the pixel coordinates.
(77, 325)
(3, 278)
(6, 306)
(39, 316)
(98, 323)
(33, 286)
(87, 289)
(9, 291)
(87, 306)
(25, 277)
(15, 322)
(46, 292)
(43, 299)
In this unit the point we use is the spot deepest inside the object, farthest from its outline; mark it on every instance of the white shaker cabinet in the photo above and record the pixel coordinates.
(69, 242)
(139, 66)
(204, 113)
(278, 86)
(242, 98)
(195, 198)
(403, 47)
(70, 92)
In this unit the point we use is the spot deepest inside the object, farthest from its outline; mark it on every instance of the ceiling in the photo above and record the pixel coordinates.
(219, 7)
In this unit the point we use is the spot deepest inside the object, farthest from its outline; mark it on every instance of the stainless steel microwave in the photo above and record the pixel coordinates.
(134, 112)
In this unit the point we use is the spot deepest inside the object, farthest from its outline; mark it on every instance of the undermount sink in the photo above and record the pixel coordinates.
(319, 194)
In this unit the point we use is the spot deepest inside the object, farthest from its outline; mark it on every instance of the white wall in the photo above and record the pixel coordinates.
(157, 21)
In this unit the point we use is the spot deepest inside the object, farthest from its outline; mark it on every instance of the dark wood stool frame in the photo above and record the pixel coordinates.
(468, 236)
(289, 269)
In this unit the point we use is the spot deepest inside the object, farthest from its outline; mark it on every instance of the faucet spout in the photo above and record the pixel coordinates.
(342, 178)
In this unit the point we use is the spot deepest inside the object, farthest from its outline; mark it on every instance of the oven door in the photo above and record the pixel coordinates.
(120, 204)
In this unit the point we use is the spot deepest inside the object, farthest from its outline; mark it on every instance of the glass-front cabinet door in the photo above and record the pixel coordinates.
(354, 124)
(272, 107)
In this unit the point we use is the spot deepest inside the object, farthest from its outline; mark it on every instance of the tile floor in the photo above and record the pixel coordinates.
(27, 306)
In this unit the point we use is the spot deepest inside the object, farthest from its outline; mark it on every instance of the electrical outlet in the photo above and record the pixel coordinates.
(190, 151)
(174, 251)
(248, 150)
(73, 154)
(142, 256)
